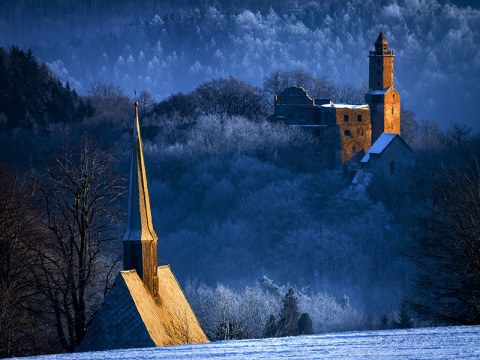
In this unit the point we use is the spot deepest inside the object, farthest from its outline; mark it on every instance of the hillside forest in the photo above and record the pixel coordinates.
(166, 46)
(256, 232)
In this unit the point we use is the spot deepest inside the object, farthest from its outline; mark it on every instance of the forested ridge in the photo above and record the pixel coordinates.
(165, 47)
(243, 212)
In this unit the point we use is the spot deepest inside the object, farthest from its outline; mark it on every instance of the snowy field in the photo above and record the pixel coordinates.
(424, 343)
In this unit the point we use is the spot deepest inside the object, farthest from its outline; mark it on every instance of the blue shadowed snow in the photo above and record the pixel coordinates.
(422, 343)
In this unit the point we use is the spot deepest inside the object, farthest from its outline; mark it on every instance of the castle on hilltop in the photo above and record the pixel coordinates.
(346, 132)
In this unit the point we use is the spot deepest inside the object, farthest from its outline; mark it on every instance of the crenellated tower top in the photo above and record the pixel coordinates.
(381, 65)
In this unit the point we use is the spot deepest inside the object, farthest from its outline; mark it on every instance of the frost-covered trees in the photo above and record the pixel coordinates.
(226, 314)
(160, 43)
(256, 312)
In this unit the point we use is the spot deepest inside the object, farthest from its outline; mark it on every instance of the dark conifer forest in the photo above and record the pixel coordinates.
(264, 241)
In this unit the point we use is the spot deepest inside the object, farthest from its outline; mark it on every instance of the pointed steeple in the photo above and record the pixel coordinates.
(140, 239)
(381, 44)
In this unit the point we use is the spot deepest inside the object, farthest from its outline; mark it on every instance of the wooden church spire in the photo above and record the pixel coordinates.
(135, 313)
(140, 240)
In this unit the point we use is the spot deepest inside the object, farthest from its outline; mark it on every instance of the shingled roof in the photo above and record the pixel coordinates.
(131, 317)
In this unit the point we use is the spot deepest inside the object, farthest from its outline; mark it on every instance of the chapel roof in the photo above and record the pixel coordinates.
(130, 317)
(379, 146)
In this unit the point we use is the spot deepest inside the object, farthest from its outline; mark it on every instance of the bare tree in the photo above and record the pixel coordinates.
(446, 244)
(273, 83)
(76, 256)
(20, 329)
(409, 127)
(351, 94)
(429, 134)
(146, 102)
(456, 135)
(323, 88)
(111, 105)
(230, 97)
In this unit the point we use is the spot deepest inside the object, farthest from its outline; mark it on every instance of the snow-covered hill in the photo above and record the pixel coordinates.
(422, 343)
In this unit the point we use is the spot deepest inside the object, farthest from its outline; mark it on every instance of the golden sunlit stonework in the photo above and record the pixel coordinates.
(145, 306)
(347, 131)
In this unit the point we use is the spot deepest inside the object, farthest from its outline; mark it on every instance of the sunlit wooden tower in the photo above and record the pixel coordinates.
(382, 97)
(140, 239)
(145, 306)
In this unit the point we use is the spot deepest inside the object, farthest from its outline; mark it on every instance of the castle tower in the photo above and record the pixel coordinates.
(383, 99)
(140, 239)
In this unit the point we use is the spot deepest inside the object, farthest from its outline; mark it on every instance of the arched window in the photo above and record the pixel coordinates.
(347, 132)
(345, 117)
(359, 117)
(393, 168)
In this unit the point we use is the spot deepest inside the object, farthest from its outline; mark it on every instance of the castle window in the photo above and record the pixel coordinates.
(354, 149)
(345, 117)
(392, 167)
(359, 118)
(392, 110)
(347, 132)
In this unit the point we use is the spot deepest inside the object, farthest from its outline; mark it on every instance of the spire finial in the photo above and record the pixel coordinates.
(136, 126)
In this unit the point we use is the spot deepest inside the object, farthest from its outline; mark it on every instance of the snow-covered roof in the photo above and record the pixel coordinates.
(379, 145)
(378, 92)
(345, 106)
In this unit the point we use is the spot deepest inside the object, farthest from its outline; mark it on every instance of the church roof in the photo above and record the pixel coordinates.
(139, 217)
(131, 317)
